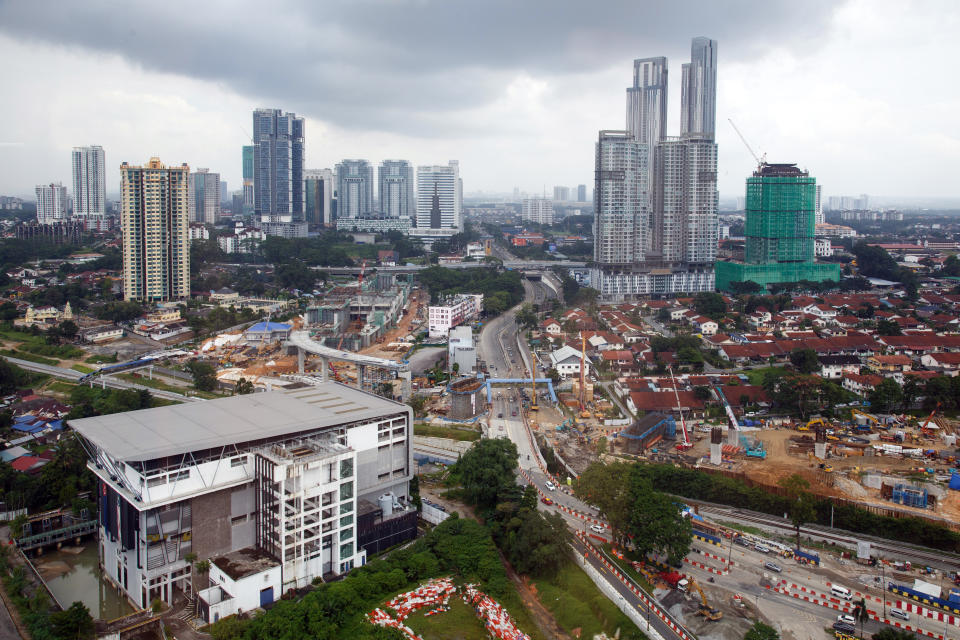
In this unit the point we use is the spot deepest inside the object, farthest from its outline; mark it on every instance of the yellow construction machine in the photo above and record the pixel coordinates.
(705, 609)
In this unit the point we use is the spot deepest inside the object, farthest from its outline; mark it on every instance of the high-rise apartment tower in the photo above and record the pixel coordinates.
(278, 165)
(204, 197)
(51, 203)
(698, 89)
(318, 196)
(155, 222)
(445, 181)
(354, 189)
(89, 186)
(395, 178)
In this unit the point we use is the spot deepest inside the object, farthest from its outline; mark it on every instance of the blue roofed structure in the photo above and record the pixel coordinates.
(267, 332)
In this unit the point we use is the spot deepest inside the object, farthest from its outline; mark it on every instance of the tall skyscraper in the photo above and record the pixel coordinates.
(779, 229)
(647, 100)
(155, 222)
(278, 165)
(581, 193)
(204, 197)
(656, 227)
(698, 89)
(445, 181)
(395, 178)
(561, 194)
(51, 203)
(354, 189)
(318, 196)
(538, 209)
(89, 186)
(248, 151)
(621, 204)
(818, 211)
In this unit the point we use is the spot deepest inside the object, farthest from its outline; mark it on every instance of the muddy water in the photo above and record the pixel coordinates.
(74, 576)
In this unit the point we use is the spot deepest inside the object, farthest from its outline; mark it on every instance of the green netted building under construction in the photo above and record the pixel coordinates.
(779, 230)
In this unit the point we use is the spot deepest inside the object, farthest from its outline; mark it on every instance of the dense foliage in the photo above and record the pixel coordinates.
(875, 262)
(500, 290)
(698, 485)
(337, 610)
(650, 520)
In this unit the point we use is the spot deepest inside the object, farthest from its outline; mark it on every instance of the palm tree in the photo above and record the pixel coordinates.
(861, 614)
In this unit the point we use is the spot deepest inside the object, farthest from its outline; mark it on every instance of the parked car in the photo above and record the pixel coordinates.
(773, 566)
(547, 501)
(762, 548)
(550, 486)
(844, 627)
(743, 542)
(499, 415)
(846, 617)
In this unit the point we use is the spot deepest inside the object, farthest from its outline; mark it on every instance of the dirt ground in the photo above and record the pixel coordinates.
(408, 322)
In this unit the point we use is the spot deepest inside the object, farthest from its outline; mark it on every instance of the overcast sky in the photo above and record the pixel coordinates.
(859, 92)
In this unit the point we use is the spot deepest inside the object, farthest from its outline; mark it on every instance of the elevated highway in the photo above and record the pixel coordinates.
(304, 344)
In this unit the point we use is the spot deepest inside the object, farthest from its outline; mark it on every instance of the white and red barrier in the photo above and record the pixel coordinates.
(677, 629)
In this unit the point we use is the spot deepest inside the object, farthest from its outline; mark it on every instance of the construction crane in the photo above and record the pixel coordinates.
(705, 609)
(533, 383)
(924, 426)
(729, 409)
(686, 444)
(761, 160)
(583, 350)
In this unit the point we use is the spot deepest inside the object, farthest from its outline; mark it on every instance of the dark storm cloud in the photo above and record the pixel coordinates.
(405, 67)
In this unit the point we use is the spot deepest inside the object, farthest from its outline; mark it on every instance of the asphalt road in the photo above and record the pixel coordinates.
(108, 381)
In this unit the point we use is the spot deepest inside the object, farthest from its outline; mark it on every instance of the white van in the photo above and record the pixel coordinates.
(899, 613)
(840, 592)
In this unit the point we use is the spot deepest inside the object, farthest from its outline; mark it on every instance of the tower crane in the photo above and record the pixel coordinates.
(686, 444)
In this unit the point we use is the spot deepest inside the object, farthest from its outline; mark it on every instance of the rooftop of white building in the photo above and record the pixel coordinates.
(149, 434)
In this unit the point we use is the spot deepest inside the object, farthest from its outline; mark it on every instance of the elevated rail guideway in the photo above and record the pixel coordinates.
(304, 344)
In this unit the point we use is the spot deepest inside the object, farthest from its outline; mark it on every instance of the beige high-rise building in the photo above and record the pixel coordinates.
(156, 231)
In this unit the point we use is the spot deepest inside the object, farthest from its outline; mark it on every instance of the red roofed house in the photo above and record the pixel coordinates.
(28, 464)
(949, 363)
(890, 364)
(860, 385)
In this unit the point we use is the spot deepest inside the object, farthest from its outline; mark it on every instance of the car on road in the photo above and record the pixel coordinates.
(899, 613)
(596, 528)
(773, 566)
(547, 501)
(846, 617)
(550, 486)
(514, 413)
(499, 415)
(762, 548)
(844, 627)
(743, 542)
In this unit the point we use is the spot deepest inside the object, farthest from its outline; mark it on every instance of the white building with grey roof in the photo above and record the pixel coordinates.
(306, 481)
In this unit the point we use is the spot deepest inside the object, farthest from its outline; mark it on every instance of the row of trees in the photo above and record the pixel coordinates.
(637, 513)
(501, 290)
(533, 543)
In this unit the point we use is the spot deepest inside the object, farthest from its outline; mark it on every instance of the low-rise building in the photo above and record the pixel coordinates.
(46, 315)
(103, 333)
(461, 350)
(833, 367)
(276, 489)
(264, 332)
(947, 362)
(889, 364)
(860, 385)
(452, 312)
(566, 360)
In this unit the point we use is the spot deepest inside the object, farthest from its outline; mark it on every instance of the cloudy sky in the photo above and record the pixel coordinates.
(859, 92)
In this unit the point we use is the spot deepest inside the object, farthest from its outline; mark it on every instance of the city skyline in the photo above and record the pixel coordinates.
(788, 71)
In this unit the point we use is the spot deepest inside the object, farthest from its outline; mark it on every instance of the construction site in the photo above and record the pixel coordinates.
(376, 317)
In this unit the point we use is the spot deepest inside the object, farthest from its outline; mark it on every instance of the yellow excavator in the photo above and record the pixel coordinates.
(705, 609)
(813, 422)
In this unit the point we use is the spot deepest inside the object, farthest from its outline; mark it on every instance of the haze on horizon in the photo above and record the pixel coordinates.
(855, 91)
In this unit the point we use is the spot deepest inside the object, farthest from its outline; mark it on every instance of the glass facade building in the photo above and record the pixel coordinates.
(278, 165)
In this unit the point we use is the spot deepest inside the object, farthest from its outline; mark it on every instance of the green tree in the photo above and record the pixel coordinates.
(74, 622)
(805, 360)
(761, 631)
(526, 317)
(886, 396)
(607, 486)
(656, 521)
(204, 375)
(486, 471)
(415, 492)
(888, 328)
(710, 304)
(12, 377)
(889, 633)
(861, 614)
(801, 502)
(69, 329)
(243, 387)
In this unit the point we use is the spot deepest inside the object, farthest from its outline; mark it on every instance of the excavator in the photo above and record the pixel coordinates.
(705, 609)
(813, 422)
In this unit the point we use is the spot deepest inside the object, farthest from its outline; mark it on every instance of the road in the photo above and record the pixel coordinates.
(107, 381)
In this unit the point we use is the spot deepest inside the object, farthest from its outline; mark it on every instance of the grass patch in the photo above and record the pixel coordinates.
(82, 369)
(756, 376)
(30, 357)
(459, 623)
(60, 386)
(445, 432)
(754, 531)
(576, 602)
(163, 386)
(94, 359)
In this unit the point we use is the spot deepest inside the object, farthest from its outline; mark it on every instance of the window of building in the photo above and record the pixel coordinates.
(346, 507)
(346, 491)
(346, 468)
(238, 520)
(238, 461)
(346, 534)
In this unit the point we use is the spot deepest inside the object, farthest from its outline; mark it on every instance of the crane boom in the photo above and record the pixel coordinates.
(747, 144)
(729, 409)
(686, 438)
